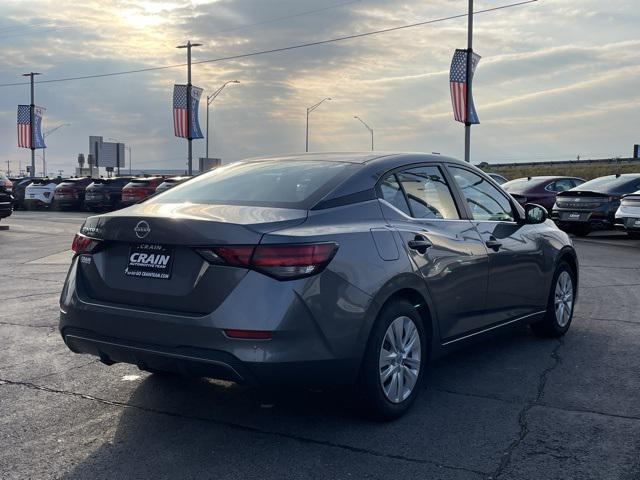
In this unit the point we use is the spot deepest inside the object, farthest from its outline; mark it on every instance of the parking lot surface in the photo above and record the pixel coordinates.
(515, 407)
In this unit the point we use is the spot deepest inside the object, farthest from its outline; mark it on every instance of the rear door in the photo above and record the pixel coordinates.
(443, 245)
(517, 283)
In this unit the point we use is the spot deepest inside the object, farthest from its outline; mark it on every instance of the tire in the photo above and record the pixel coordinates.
(563, 289)
(380, 396)
(634, 235)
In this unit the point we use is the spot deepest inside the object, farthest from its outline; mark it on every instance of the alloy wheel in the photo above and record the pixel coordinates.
(399, 363)
(563, 300)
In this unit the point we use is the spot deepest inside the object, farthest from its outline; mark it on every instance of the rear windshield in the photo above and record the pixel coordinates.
(611, 183)
(522, 183)
(275, 183)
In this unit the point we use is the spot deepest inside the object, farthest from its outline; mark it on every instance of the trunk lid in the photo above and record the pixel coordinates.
(170, 232)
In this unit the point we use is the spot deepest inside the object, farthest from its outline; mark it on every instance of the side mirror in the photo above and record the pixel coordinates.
(534, 214)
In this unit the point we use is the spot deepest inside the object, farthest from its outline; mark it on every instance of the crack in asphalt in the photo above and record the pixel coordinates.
(617, 320)
(612, 285)
(57, 292)
(59, 372)
(609, 267)
(539, 404)
(30, 325)
(522, 416)
(243, 428)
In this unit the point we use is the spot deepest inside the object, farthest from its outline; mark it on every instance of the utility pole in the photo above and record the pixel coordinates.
(309, 110)
(31, 112)
(367, 127)
(467, 125)
(210, 99)
(189, 139)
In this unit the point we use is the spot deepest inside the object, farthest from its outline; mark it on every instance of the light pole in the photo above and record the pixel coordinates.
(31, 115)
(467, 125)
(210, 99)
(190, 149)
(309, 110)
(367, 127)
(125, 146)
(44, 150)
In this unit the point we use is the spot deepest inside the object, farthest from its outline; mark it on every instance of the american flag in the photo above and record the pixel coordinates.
(180, 123)
(24, 126)
(458, 86)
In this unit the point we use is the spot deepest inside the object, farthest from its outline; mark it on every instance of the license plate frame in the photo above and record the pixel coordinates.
(150, 260)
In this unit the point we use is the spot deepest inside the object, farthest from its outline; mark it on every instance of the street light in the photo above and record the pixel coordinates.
(367, 127)
(125, 146)
(309, 110)
(44, 150)
(210, 99)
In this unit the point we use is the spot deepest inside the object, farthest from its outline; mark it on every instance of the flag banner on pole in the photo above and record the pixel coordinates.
(24, 126)
(180, 123)
(458, 86)
(38, 139)
(196, 93)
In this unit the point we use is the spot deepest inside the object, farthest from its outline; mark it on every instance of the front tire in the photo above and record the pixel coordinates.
(560, 305)
(394, 361)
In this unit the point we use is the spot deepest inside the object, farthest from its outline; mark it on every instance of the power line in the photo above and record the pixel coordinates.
(276, 50)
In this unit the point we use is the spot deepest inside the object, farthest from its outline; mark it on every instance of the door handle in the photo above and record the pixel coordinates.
(493, 244)
(420, 244)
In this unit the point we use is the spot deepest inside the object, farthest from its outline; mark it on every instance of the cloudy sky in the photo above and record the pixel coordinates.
(558, 78)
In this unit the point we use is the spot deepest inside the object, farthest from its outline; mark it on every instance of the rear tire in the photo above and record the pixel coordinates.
(560, 305)
(394, 361)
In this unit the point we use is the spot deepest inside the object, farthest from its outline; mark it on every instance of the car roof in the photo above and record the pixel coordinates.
(356, 157)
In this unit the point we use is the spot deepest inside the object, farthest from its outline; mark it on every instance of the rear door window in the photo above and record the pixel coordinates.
(390, 190)
(484, 200)
(428, 193)
(562, 185)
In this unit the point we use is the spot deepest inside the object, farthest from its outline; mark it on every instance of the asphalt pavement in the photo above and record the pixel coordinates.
(514, 407)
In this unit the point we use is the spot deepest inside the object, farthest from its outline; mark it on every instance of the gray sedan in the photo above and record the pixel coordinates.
(317, 269)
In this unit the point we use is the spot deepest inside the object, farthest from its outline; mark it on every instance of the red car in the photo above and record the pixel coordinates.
(139, 188)
(540, 190)
(70, 193)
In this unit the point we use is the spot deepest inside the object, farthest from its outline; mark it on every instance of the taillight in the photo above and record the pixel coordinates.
(83, 244)
(284, 262)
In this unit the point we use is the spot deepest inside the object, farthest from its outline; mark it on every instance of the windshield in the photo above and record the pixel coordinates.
(276, 183)
(520, 184)
(611, 183)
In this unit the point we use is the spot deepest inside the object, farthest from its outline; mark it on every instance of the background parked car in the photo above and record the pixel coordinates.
(628, 214)
(19, 186)
(540, 190)
(39, 193)
(139, 188)
(499, 179)
(69, 194)
(105, 193)
(6, 196)
(592, 205)
(170, 182)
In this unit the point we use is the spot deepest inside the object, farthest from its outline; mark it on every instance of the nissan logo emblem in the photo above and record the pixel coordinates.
(142, 229)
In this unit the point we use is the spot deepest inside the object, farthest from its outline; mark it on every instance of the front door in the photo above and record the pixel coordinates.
(516, 262)
(445, 248)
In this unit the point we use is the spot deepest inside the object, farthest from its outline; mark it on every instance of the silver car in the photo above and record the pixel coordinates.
(317, 269)
(628, 214)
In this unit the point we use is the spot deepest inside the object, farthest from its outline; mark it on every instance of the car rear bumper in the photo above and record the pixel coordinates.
(201, 362)
(301, 350)
(594, 220)
(67, 202)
